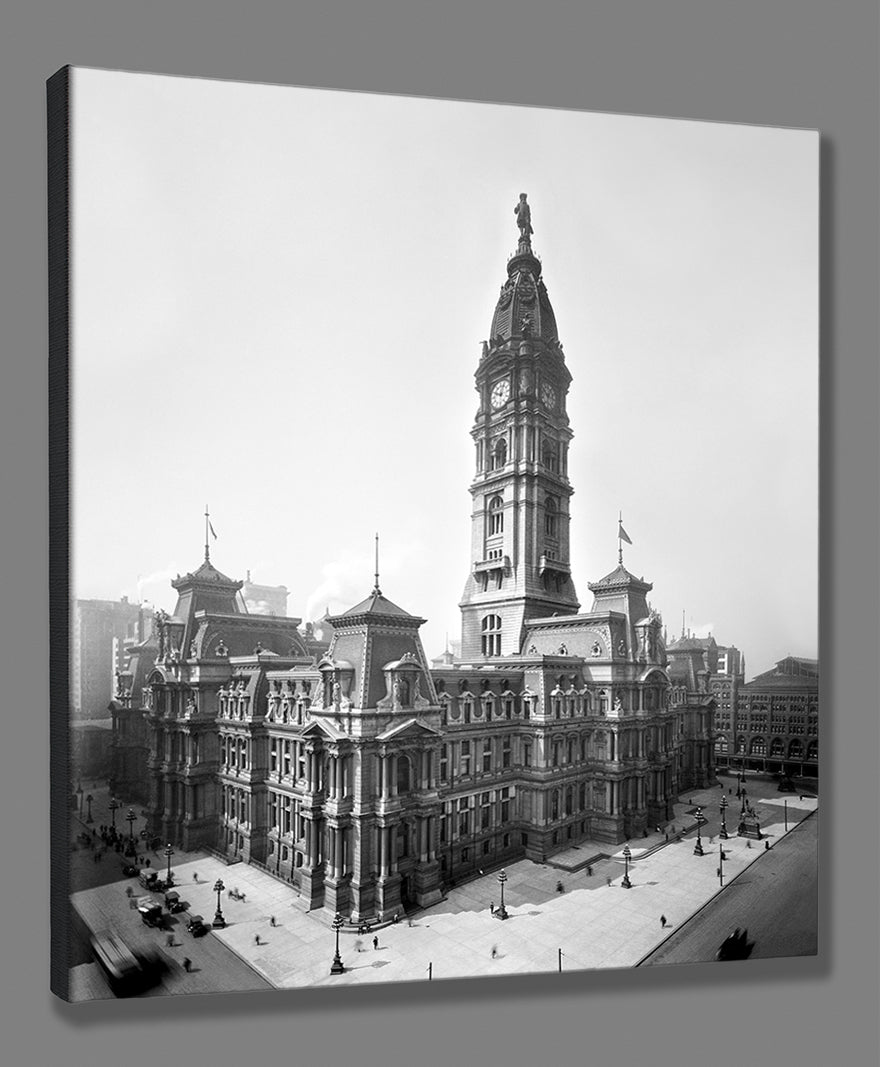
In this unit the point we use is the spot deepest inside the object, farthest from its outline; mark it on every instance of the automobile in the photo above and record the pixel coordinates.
(148, 878)
(735, 946)
(129, 871)
(173, 902)
(150, 911)
(196, 926)
(128, 971)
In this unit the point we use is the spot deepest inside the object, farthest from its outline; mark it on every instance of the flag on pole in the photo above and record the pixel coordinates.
(214, 534)
(622, 534)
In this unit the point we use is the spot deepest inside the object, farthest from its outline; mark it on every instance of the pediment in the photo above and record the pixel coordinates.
(409, 728)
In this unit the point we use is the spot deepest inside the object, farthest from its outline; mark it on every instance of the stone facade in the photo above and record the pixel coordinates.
(367, 778)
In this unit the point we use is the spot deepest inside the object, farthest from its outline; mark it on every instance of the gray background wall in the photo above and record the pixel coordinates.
(787, 62)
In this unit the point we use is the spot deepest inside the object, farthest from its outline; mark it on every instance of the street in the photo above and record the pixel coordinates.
(776, 899)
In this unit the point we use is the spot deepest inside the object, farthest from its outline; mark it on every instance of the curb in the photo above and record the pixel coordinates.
(717, 893)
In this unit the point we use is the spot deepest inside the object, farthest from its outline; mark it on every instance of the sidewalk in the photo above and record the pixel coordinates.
(596, 925)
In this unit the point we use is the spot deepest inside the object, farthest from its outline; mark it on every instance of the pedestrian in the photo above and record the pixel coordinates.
(129, 892)
(257, 940)
(146, 863)
(169, 940)
(666, 837)
(559, 887)
(662, 922)
(730, 791)
(409, 921)
(491, 907)
(748, 844)
(494, 952)
(195, 876)
(375, 943)
(396, 918)
(766, 846)
(608, 881)
(271, 920)
(589, 871)
(187, 963)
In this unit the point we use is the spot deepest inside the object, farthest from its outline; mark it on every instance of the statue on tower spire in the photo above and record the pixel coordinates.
(524, 220)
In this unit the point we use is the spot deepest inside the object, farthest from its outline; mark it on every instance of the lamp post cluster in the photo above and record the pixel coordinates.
(627, 856)
(169, 852)
(336, 966)
(114, 807)
(219, 921)
(698, 847)
(502, 911)
(89, 799)
(724, 832)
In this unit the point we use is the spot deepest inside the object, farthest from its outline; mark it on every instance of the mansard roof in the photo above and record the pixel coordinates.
(375, 606)
(619, 578)
(206, 574)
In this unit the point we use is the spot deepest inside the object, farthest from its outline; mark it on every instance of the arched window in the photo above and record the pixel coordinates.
(813, 750)
(758, 747)
(551, 517)
(499, 453)
(776, 747)
(796, 749)
(491, 638)
(496, 516)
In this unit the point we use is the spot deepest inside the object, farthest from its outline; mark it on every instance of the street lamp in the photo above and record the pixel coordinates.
(720, 863)
(169, 852)
(698, 847)
(627, 856)
(89, 799)
(79, 793)
(219, 921)
(502, 911)
(724, 832)
(114, 806)
(336, 967)
(785, 806)
(130, 819)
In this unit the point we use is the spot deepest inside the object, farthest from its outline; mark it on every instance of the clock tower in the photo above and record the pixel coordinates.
(520, 562)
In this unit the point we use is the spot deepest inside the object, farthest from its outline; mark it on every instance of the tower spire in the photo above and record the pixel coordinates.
(376, 590)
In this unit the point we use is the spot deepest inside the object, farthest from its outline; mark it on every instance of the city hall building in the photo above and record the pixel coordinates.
(370, 780)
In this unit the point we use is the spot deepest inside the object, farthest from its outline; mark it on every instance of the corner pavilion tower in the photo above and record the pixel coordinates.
(520, 512)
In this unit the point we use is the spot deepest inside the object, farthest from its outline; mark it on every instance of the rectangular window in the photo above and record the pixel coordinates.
(444, 763)
(465, 757)
(527, 755)
(487, 756)
(505, 753)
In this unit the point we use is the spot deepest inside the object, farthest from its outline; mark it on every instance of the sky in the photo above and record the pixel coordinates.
(279, 297)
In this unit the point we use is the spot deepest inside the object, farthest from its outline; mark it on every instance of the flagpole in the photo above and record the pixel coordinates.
(207, 552)
(619, 538)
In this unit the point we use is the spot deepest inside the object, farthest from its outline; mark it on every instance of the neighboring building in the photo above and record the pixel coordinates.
(100, 629)
(776, 727)
(370, 779)
(264, 599)
(91, 750)
(129, 779)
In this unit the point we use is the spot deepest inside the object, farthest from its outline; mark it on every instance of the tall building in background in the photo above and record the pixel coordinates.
(100, 630)
(264, 599)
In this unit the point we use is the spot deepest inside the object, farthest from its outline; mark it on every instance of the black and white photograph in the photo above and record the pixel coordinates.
(443, 539)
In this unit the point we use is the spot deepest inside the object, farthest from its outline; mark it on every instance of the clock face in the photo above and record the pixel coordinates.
(500, 393)
(548, 395)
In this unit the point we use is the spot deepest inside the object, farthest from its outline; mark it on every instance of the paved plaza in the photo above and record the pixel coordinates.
(594, 921)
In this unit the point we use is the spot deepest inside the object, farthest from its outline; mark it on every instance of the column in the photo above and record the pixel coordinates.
(384, 769)
(339, 833)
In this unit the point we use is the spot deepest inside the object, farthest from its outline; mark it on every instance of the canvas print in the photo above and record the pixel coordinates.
(442, 500)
